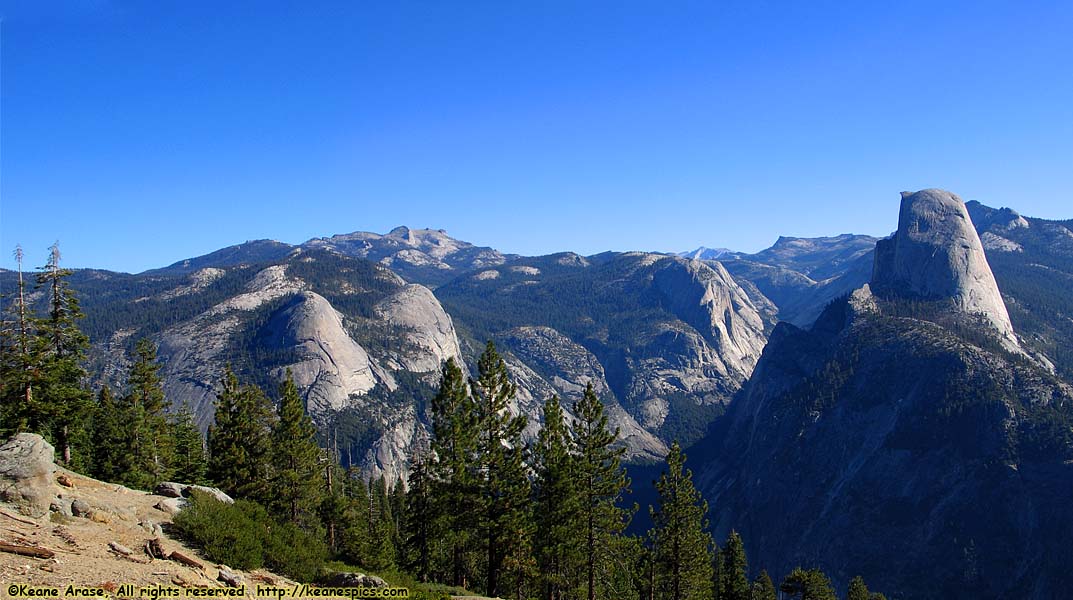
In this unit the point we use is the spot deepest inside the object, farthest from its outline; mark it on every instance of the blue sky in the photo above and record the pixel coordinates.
(141, 133)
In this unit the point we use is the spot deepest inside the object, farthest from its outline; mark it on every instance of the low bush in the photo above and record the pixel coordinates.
(244, 536)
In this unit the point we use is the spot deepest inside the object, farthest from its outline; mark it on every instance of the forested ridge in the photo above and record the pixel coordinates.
(481, 511)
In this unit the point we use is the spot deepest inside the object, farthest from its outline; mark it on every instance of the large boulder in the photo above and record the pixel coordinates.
(27, 467)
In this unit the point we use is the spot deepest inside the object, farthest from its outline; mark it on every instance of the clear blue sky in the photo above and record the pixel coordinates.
(141, 133)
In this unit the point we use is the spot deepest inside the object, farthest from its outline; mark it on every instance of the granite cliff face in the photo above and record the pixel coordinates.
(907, 442)
(672, 339)
(937, 254)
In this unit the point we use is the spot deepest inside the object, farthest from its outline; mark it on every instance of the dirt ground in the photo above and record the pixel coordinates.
(81, 545)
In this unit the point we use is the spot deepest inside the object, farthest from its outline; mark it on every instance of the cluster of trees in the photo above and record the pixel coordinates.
(485, 511)
(481, 509)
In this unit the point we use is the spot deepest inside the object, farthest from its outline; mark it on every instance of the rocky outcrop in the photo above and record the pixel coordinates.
(937, 254)
(423, 325)
(893, 448)
(27, 467)
(331, 366)
(708, 298)
(427, 256)
(550, 363)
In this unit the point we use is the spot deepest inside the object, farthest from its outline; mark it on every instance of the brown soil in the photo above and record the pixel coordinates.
(81, 545)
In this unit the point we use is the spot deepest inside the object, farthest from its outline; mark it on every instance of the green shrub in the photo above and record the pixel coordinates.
(244, 536)
(228, 533)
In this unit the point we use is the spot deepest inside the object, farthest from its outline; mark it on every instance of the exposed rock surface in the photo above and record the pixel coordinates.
(802, 275)
(672, 339)
(557, 365)
(27, 470)
(331, 365)
(892, 448)
(427, 256)
(936, 253)
(424, 325)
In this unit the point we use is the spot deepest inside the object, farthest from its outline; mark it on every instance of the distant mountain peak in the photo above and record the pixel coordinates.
(936, 253)
(705, 253)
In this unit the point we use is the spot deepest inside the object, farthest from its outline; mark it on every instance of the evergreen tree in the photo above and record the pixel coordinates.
(503, 482)
(18, 365)
(682, 547)
(859, 591)
(297, 483)
(808, 585)
(602, 482)
(734, 581)
(380, 553)
(763, 588)
(454, 477)
(190, 463)
(240, 442)
(63, 406)
(418, 520)
(355, 540)
(557, 543)
(111, 453)
(149, 438)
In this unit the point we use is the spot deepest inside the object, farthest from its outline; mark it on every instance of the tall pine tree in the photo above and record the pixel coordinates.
(602, 482)
(297, 484)
(418, 526)
(682, 547)
(503, 482)
(63, 405)
(733, 572)
(454, 477)
(111, 452)
(240, 441)
(557, 540)
(148, 436)
(189, 463)
(763, 588)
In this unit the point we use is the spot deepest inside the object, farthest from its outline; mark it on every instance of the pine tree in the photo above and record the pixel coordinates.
(418, 519)
(859, 591)
(503, 482)
(683, 556)
(111, 452)
(297, 483)
(734, 581)
(148, 436)
(63, 406)
(355, 540)
(240, 442)
(557, 543)
(602, 482)
(380, 553)
(18, 365)
(189, 463)
(763, 588)
(812, 584)
(454, 477)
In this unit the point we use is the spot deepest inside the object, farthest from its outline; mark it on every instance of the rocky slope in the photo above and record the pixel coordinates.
(79, 520)
(801, 275)
(671, 339)
(903, 437)
(427, 256)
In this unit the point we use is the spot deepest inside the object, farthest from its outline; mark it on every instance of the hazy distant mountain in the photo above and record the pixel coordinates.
(426, 256)
(902, 437)
(669, 339)
(703, 253)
